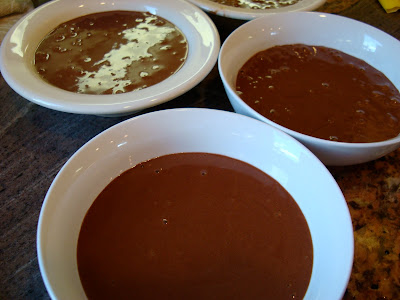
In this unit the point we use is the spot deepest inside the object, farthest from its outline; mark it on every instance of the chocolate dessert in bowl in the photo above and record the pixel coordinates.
(194, 204)
(329, 81)
(251, 9)
(106, 57)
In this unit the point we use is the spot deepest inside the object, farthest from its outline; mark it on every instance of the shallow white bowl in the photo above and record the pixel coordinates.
(150, 135)
(374, 46)
(18, 49)
(248, 14)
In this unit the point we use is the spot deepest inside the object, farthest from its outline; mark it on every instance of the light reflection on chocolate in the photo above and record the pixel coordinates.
(257, 4)
(111, 52)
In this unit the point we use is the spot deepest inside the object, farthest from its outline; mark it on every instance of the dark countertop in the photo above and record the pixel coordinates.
(35, 142)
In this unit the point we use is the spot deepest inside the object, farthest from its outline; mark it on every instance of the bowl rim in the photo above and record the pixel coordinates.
(346, 232)
(296, 134)
(16, 64)
(249, 14)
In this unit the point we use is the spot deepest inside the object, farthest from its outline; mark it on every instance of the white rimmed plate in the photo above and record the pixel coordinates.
(18, 49)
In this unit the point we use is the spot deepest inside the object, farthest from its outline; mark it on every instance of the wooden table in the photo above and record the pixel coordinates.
(35, 142)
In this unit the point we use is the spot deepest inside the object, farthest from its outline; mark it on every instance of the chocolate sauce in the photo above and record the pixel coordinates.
(194, 226)
(321, 92)
(111, 52)
(257, 4)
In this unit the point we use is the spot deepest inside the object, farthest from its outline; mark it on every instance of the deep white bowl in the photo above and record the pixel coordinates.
(154, 134)
(18, 49)
(374, 46)
(248, 14)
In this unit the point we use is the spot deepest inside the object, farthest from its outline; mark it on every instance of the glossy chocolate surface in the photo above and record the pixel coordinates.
(111, 52)
(321, 92)
(194, 226)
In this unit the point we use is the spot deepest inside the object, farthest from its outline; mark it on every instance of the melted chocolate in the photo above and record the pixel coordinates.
(111, 52)
(257, 4)
(194, 226)
(321, 92)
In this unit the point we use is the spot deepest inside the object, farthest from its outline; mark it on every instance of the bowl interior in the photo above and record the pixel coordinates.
(248, 14)
(194, 130)
(18, 49)
(352, 37)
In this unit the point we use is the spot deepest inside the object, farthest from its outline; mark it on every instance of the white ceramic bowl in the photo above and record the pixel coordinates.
(18, 49)
(150, 135)
(374, 46)
(248, 14)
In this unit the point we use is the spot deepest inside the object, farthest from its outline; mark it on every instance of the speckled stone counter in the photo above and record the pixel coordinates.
(35, 142)
(372, 192)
